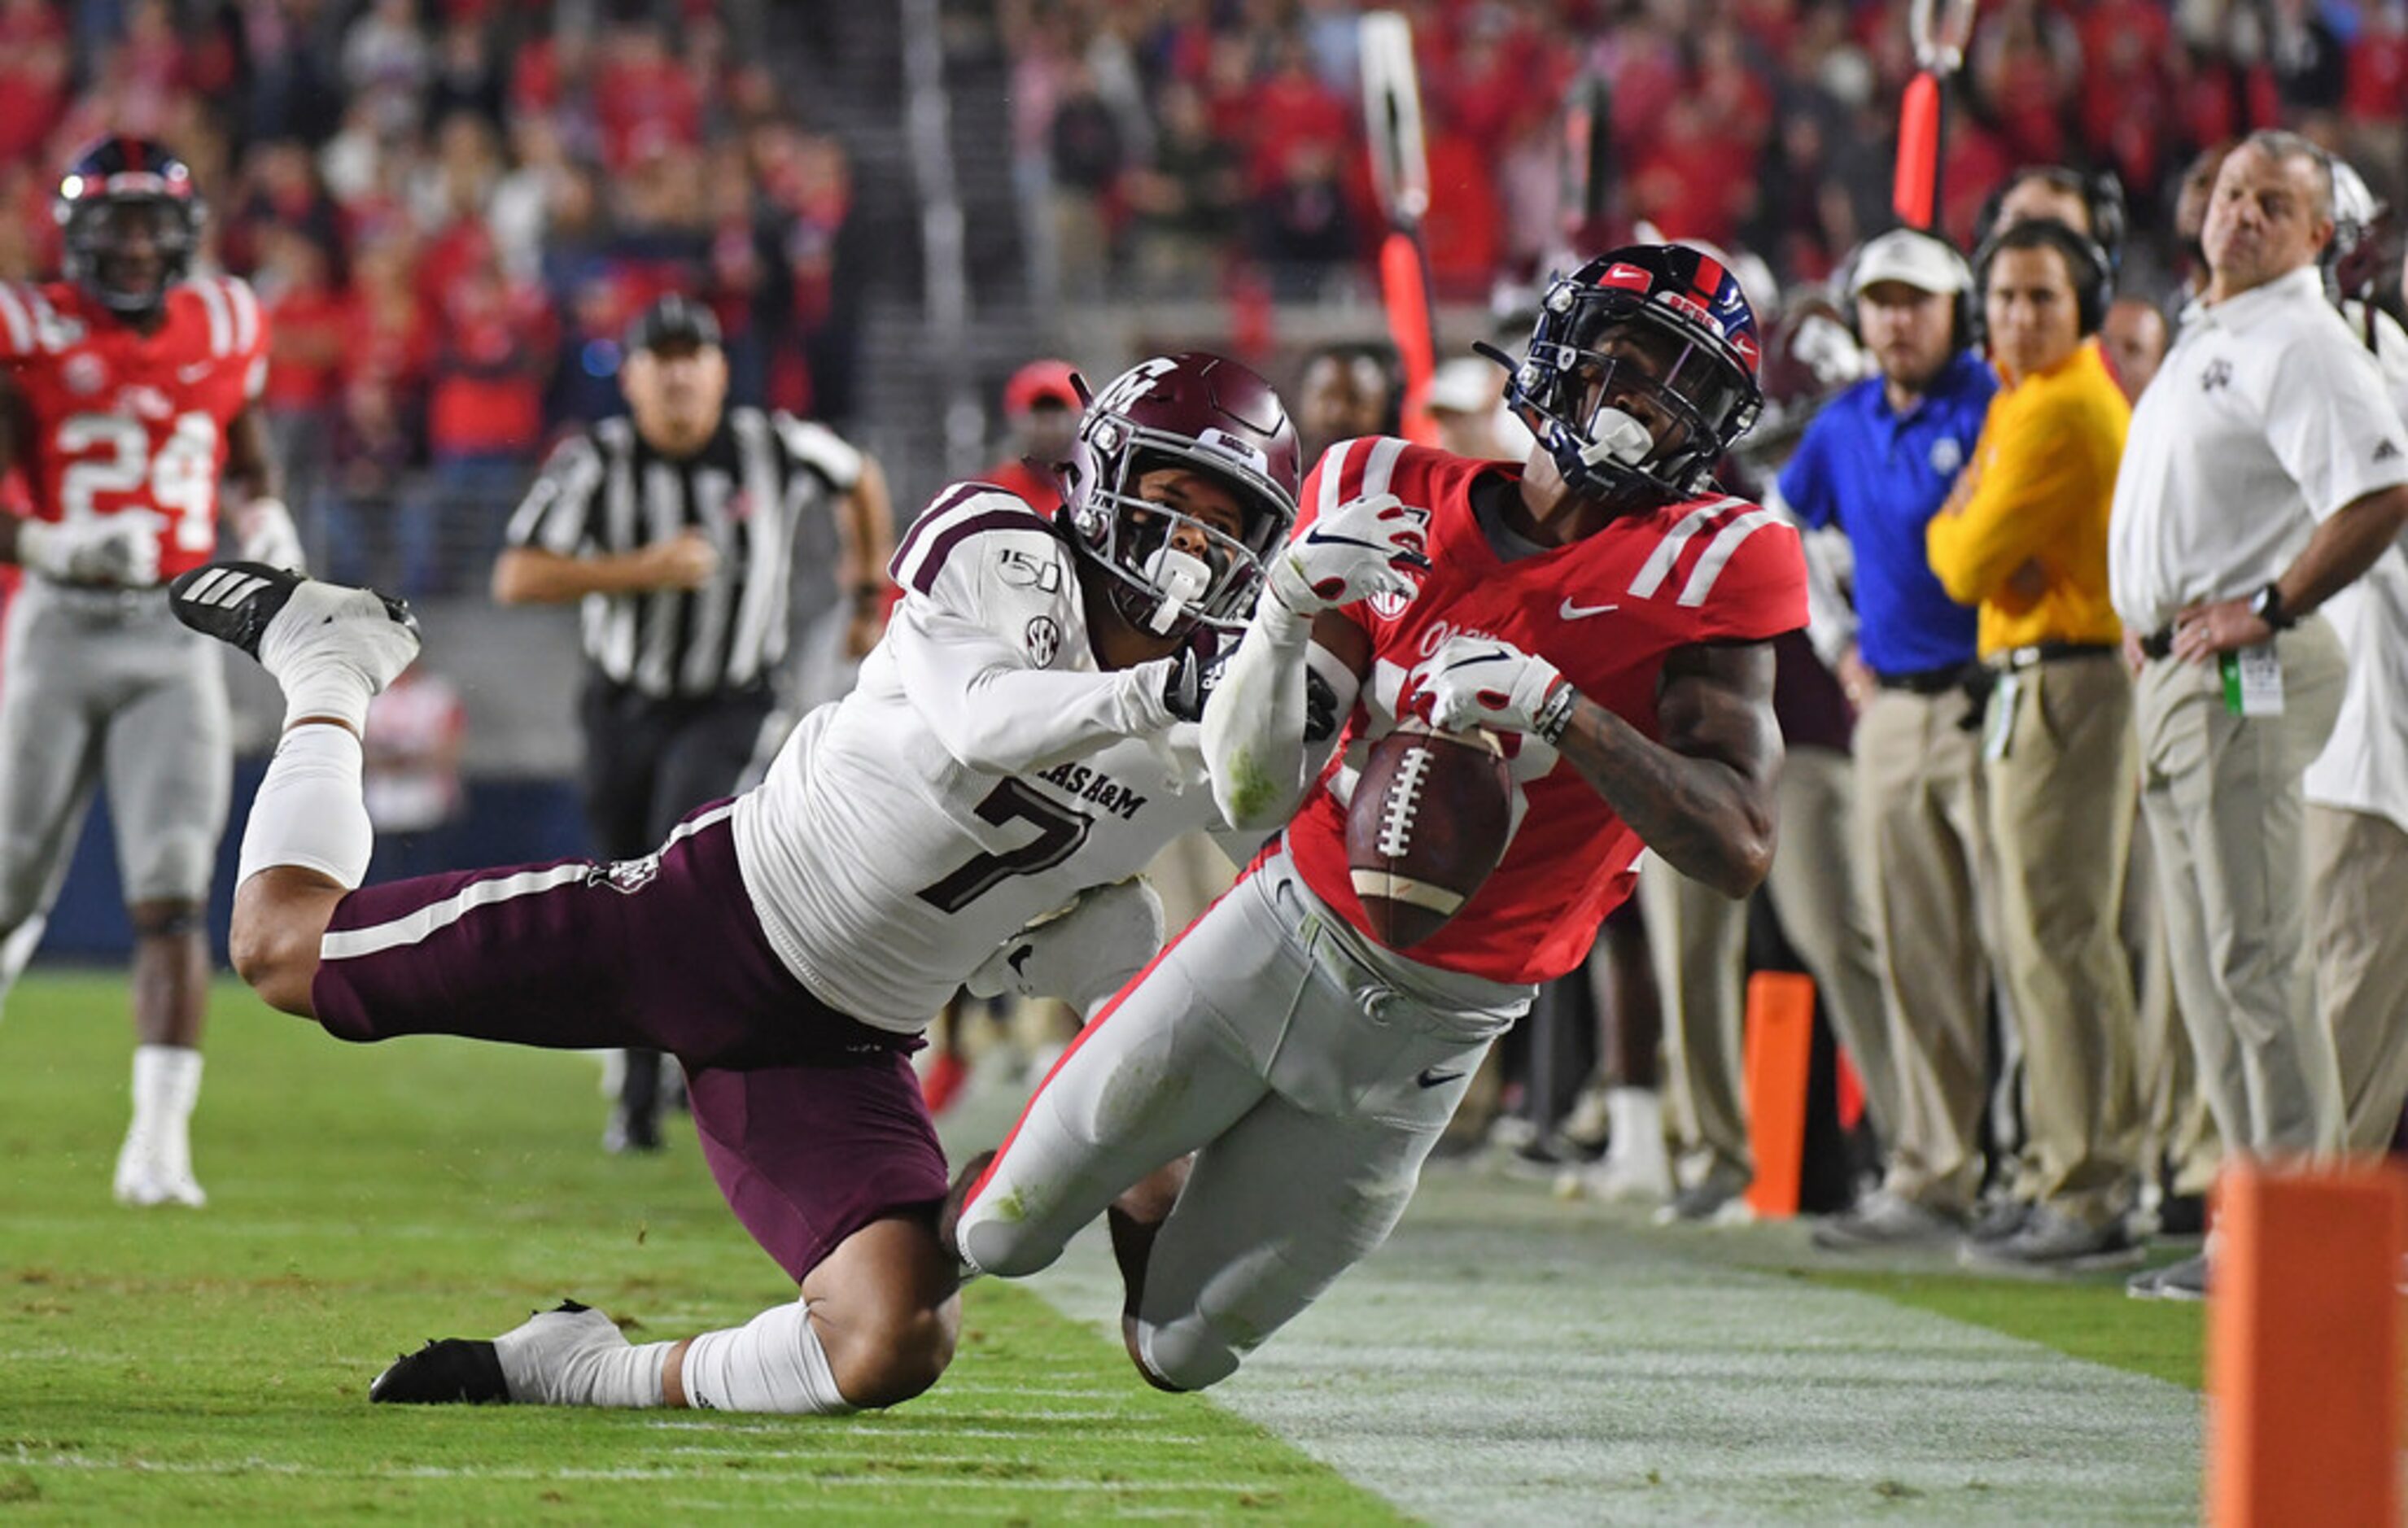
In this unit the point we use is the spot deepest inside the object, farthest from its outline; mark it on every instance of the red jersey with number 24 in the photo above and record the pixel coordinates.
(1606, 610)
(126, 423)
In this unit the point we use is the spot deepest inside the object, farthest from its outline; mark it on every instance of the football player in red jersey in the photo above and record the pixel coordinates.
(1604, 611)
(131, 387)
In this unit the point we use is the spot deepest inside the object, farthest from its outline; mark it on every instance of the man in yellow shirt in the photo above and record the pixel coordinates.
(2024, 536)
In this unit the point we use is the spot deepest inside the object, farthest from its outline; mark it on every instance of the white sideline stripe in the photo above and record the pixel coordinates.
(1719, 550)
(1659, 566)
(415, 927)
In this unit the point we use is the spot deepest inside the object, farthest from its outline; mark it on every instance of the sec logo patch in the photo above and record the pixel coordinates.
(1044, 639)
(85, 373)
(1388, 604)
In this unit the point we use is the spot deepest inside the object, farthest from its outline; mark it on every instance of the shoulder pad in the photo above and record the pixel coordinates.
(962, 513)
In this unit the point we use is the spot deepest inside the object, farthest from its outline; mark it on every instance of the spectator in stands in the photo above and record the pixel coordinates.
(2135, 338)
(1185, 199)
(1346, 389)
(410, 770)
(2273, 475)
(1878, 463)
(1041, 414)
(2023, 537)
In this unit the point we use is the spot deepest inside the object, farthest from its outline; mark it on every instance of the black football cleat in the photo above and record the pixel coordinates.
(252, 606)
(454, 1371)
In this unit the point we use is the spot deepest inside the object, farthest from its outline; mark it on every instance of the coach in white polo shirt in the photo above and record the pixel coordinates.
(2265, 471)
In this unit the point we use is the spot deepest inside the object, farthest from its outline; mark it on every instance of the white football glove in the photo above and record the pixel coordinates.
(1479, 681)
(120, 549)
(264, 533)
(1365, 547)
(1081, 957)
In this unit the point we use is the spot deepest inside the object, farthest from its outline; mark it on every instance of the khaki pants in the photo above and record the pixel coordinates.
(2222, 793)
(2358, 879)
(1921, 847)
(2177, 1129)
(2060, 816)
(1697, 938)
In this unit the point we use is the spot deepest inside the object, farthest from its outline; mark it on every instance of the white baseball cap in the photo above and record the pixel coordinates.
(1916, 259)
(1468, 384)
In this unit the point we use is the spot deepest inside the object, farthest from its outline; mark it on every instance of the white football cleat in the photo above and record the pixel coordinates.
(149, 1174)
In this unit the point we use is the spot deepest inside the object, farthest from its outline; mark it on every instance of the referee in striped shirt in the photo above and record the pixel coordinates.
(701, 539)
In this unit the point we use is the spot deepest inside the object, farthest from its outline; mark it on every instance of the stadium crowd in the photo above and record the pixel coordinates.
(1181, 140)
(451, 213)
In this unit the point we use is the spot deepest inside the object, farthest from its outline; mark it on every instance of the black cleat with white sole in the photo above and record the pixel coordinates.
(237, 601)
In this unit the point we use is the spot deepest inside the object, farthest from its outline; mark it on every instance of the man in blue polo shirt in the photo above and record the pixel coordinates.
(1878, 463)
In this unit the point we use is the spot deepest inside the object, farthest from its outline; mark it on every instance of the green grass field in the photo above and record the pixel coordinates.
(1508, 1358)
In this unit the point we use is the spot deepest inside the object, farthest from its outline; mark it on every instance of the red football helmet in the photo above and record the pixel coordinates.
(1641, 372)
(1211, 416)
(131, 219)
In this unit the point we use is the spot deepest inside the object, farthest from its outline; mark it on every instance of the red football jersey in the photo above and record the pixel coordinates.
(128, 423)
(1605, 609)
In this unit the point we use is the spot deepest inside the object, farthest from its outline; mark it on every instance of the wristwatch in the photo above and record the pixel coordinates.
(2267, 606)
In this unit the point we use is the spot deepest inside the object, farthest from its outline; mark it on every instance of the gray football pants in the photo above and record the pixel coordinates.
(1309, 1072)
(97, 687)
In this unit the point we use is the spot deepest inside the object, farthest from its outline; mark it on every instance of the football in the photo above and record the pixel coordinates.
(1426, 825)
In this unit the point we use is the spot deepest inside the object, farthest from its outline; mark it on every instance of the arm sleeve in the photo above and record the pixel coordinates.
(1266, 732)
(557, 514)
(820, 448)
(2331, 425)
(2039, 472)
(968, 650)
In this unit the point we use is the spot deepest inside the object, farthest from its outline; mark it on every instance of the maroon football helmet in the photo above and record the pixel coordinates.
(1208, 415)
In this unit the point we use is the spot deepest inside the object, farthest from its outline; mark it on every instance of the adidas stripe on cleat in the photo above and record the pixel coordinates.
(237, 601)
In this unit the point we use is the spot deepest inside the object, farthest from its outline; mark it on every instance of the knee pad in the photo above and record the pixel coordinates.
(1003, 1245)
(180, 918)
(1185, 1354)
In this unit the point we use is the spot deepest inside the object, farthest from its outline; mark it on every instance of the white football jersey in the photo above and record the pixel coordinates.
(982, 774)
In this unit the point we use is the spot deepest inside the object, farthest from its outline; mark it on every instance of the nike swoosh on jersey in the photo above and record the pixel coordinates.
(1569, 611)
(194, 372)
(1431, 1076)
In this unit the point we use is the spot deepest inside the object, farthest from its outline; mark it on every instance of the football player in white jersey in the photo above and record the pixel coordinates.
(1019, 743)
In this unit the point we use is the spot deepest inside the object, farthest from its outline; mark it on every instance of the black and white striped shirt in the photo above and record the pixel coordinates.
(763, 491)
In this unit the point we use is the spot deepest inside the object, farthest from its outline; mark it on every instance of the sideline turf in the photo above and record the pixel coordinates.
(168, 1366)
(2093, 1321)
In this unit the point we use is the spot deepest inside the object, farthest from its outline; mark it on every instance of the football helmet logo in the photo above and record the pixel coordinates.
(131, 219)
(1208, 415)
(1640, 373)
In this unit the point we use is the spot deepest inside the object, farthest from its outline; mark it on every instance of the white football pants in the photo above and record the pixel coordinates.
(1311, 1072)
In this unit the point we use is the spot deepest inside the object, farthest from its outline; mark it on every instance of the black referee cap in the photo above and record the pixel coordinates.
(674, 320)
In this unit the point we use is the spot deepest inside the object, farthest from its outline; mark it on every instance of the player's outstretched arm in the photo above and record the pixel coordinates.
(994, 712)
(1293, 679)
(1703, 798)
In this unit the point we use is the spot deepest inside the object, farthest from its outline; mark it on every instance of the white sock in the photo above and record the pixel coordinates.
(309, 812)
(773, 1363)
(1635, 1120)
(166, 1084)
(579, 1358)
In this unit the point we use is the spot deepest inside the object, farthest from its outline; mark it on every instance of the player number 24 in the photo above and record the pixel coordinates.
(180, 475)
(1060, 831)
